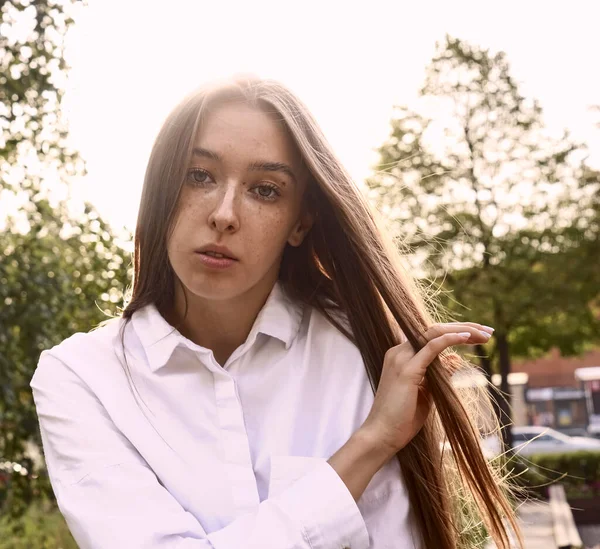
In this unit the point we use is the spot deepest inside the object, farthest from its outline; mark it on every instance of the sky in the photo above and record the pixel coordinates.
(132, 61)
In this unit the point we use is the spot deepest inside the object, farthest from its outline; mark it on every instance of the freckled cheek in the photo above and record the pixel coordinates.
(192, 212)
(188, 221)
(268, 232)
(185, 227)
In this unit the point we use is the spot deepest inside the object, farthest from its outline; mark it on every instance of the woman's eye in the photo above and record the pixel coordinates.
(267, 192)
(198, 176)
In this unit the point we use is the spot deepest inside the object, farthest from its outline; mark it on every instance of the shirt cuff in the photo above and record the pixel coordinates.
(325, 509)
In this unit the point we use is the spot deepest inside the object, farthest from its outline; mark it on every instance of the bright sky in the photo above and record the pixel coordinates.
(132, 62)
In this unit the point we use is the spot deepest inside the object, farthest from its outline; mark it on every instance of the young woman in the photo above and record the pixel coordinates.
(275, 380)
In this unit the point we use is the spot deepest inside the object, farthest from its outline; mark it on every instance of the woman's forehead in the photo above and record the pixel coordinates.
(231, 120)
(235, 129)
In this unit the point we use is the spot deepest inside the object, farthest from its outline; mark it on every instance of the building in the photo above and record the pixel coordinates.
(556, 397)
(553, 391)
(589, 377)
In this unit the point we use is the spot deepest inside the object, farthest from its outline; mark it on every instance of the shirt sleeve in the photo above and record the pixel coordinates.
(110, 497)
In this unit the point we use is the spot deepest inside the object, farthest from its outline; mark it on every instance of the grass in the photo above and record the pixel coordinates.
(40, 528)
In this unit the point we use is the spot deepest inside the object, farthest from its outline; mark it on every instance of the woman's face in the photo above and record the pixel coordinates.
(242, 198)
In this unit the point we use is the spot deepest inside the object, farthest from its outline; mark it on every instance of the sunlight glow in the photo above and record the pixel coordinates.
(132, 61)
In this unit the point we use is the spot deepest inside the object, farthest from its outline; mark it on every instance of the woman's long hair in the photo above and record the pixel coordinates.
(346, 268)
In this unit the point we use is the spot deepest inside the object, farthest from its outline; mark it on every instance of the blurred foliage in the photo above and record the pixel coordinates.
(501, 213)
(31, 76)
(473, 533)
(41, 527)
(61, 270)
(62, 276)
(578, 472)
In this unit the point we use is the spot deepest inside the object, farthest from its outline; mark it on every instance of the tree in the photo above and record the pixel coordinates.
(34, 133)
(61, 270)
(59, 277)
(485, 199)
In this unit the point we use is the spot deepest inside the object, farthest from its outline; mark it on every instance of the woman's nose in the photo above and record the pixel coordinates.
(225, 215)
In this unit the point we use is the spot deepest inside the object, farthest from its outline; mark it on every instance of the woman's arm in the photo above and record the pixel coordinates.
(111, 498)
(358, 460)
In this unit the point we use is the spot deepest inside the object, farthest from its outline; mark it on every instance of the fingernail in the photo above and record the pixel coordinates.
(464, 334)
(487, 336)
(488, 327)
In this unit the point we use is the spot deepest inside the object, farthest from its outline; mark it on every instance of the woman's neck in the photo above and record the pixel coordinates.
(219, 325)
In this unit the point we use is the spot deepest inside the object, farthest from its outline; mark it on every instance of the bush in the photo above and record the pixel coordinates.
(41, 527)
(579, 472)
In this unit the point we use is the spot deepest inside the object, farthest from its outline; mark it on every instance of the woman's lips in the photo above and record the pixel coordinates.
(215, 262)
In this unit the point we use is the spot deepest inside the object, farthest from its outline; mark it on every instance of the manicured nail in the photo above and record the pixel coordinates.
(488, 327)
(465, 334)
(487, 336)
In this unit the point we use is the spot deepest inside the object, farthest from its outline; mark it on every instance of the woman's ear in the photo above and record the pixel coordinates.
(301, 229)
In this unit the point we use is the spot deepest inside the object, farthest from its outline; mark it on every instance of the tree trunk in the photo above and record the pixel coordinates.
(505, 396)
(484, 361)
(486, 366)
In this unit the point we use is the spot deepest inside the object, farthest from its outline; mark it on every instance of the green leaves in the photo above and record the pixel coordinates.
(486, 200)
(60, 272)
(487, 204)
(51, 286)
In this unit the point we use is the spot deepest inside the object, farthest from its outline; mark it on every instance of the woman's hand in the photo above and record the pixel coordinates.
(402, 403)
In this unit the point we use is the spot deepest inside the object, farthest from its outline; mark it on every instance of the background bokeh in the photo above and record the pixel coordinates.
(474, 128)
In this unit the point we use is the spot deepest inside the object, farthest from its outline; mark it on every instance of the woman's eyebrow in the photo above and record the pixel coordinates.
(273, 167)
(199, 151)
(257, 166)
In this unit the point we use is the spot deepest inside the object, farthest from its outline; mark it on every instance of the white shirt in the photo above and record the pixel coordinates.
(230, 457)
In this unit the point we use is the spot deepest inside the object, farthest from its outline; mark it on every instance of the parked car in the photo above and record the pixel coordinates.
(537, 439)
(489, 447)
(534, 439)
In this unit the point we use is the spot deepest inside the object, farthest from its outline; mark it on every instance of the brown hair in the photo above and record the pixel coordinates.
(346, 268)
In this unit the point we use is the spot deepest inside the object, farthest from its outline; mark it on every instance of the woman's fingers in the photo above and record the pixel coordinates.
(403, 399)
(477, 334)
(474, 325)
(417, 366)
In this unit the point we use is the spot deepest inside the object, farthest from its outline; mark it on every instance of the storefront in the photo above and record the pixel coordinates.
(589, 379)
(563, 408)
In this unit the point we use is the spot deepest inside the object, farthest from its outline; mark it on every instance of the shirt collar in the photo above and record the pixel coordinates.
(280, 318)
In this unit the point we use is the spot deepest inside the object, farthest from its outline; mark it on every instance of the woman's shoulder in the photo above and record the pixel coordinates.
(83, 370)
(101, 336)
(82, 349)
